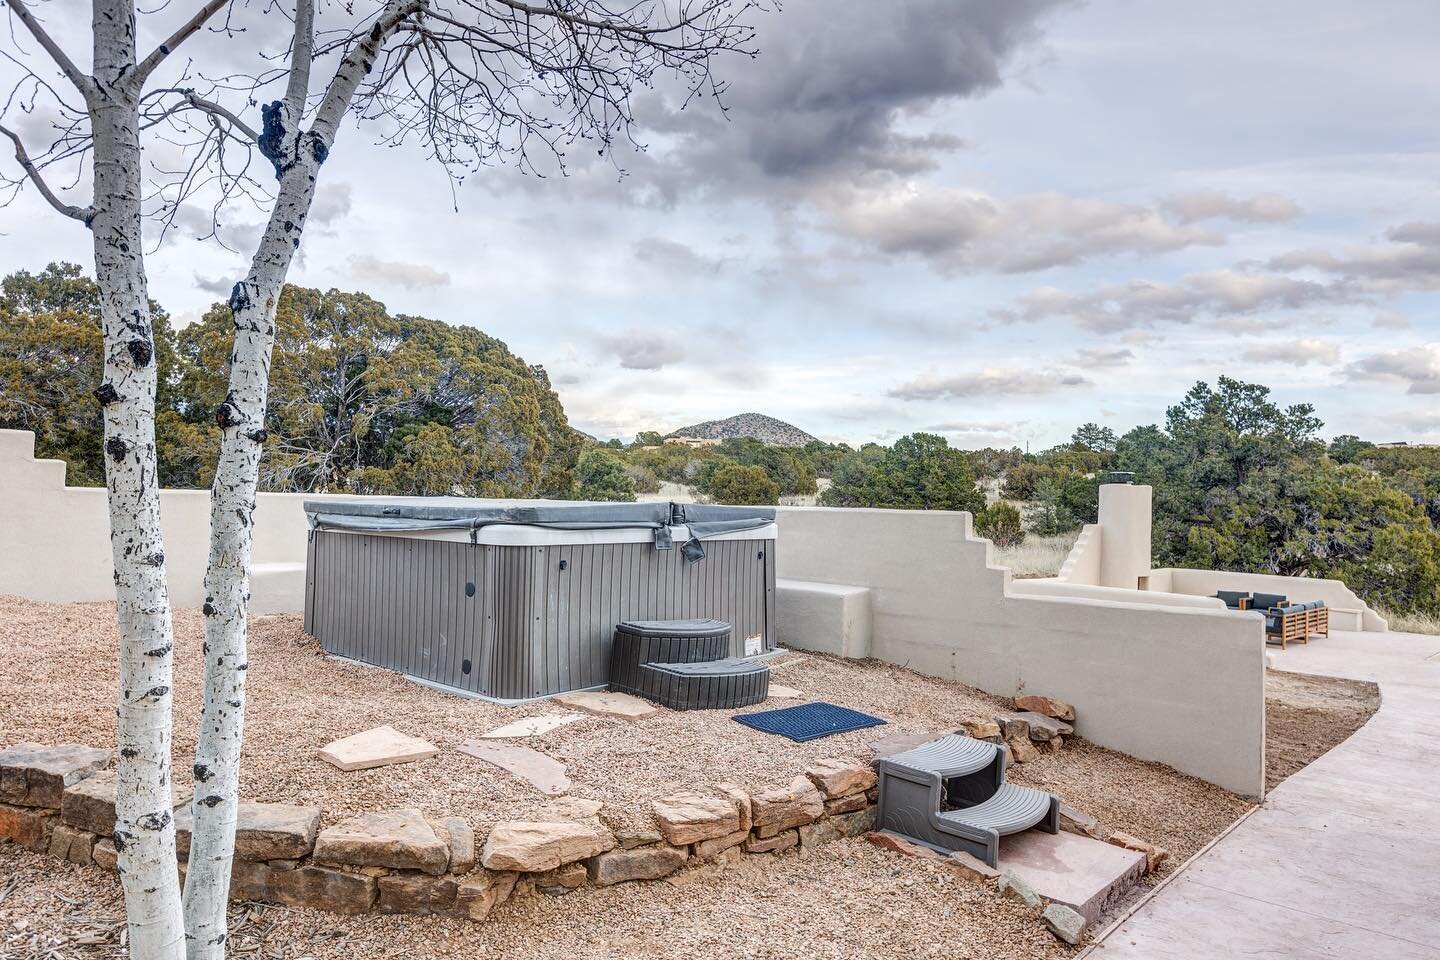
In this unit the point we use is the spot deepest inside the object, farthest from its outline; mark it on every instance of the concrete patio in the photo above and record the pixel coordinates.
(1343, 858)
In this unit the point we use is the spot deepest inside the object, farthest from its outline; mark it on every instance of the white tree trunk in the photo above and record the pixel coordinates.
(297, 155)
(144, 827)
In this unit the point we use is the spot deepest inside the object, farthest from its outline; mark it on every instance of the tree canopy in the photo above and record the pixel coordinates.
(362, 401)
(919, 472)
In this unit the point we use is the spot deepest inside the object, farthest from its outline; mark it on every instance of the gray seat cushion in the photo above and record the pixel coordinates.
(1264, 601)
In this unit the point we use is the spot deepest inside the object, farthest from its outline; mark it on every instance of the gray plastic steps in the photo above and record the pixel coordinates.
(1013, 808)
(713, 685)
(951, 794)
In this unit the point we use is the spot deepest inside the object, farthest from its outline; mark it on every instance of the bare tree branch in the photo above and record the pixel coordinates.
(83, 214)
(82, 80)
(148, 65)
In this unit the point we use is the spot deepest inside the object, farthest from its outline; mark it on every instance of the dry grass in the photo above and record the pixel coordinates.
(1037, 556)
(1411, 622)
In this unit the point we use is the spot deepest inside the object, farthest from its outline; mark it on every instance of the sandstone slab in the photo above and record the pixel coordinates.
(415, 893)
(531, 726)
(898, 844)
(687, 818)
(263, 831)
(605, 703)
(711, 849)
(1079, 822)
(970, 867)
(379, 747)
(400, 839)
(103, 853)
(646, 863)
(781, 808)
(1084, 874)
(856, 801)
(782, 692)
(562, 880)
(841, 776)
(572, 808)
(34, 775)
(534, 846)
(981, 729)
(545, 774)
(482, 892)
(462, 844)
(1154, 855)
(30, 827)
(67, 843)
(1012, 726)
(741, 799)
(1022, 749)
(310, 886)
(89, 804)
(1045, 728)
(1049, 706)
(783, 840)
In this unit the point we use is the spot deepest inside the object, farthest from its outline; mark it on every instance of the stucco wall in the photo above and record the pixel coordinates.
(1082, 563)
(1181, 685)
(55, 540)
(1125, 516)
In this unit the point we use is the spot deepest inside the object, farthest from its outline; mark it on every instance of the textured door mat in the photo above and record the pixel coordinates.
(808, 721)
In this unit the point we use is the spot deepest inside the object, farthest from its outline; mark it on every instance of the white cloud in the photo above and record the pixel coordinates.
(644, 348)
(1297, 353)
(1195, 205)
(956, 229)
(1416, 368)
(411, 276)
(989, 382)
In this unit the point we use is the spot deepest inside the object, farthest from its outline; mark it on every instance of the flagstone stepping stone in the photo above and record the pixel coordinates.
(605, 703)
(34, 775)
(543, 773)
(377, 748)
(531, 726)
(781, 692)
(401, 839)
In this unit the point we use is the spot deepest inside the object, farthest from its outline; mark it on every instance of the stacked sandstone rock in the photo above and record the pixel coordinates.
(60, 800)
(1036, 725)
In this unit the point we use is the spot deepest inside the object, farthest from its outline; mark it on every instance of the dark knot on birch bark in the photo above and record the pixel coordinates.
(106, 394)
(117, 448)
(239, 298)
(229, 415)
(140, 351)
(272, 137)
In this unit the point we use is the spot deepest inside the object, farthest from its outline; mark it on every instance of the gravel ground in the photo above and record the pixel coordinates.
(299, 700)
(1306, 715)
(846, 899)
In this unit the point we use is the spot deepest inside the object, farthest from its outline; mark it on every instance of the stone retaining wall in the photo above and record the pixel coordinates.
(61, 801)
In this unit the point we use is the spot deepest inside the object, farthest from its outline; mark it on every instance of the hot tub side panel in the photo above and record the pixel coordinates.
(408, 604)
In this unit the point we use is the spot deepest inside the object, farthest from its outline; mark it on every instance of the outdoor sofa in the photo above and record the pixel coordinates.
(1284, 621)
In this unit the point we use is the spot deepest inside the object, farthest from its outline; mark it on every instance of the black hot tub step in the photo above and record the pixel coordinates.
(710, 685)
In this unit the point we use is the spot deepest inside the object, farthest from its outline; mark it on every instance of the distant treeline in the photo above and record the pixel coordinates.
(364, 401)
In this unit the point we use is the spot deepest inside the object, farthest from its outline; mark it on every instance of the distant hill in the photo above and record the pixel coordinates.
(757, 425)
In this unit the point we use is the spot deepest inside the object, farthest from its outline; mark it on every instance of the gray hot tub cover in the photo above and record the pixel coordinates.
(453, 513)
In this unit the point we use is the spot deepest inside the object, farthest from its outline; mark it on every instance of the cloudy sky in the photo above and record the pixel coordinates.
(993, 220)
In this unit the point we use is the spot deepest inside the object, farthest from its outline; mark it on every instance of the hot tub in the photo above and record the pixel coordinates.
(516, 600)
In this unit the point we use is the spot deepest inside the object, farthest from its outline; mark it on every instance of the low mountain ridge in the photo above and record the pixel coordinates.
(757, 425)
